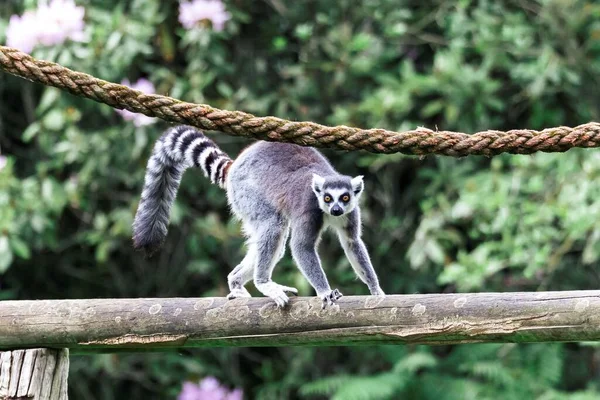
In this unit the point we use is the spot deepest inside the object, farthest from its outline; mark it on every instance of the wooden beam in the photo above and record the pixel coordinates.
(161, 323)
(38, 374)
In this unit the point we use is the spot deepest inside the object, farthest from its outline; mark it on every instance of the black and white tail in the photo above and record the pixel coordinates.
(175, 151)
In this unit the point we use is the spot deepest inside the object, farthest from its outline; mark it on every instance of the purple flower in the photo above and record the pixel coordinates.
(208, 389)
(49, 25)
(189, 391)
(22, 31)
(190, 13)
(3, 161)
(62, 20)
(210, 383)
(237, 394)
(145, 86)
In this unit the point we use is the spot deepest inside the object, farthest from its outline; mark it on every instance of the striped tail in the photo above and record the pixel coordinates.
(175, 151)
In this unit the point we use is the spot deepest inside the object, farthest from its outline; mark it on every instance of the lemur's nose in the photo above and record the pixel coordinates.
(336, 211)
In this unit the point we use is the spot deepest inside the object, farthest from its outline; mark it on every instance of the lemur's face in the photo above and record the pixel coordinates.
(337, 195)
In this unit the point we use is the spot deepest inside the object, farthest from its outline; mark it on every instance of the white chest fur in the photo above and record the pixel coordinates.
(336, 223)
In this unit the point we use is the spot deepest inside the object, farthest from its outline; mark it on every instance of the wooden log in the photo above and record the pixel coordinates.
(153, 324)
(37, 374)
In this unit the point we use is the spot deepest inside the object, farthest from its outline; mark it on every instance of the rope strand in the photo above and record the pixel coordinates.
(420, 141)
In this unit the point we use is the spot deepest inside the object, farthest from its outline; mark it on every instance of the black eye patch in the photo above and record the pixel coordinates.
(327, 198)
(345, 197)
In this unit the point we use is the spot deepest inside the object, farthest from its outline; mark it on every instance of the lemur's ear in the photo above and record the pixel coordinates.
(317, 183)
(357, 184)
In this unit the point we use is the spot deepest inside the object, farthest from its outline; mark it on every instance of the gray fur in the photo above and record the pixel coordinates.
(175, 151)
(275, 189)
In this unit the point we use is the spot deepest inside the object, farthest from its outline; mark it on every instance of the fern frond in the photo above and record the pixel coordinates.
(443, 387)
(473, 353)
(584, 395)
(379, 387)
(550, 365)
(325, 386)
(415, 362)
(579, 395)
(491, 371)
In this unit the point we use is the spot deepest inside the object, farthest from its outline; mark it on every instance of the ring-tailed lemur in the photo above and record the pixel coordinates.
(273, 188)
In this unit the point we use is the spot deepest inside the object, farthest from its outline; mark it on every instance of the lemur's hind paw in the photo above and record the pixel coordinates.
(276, 292)
(238, 293)
(330, 298)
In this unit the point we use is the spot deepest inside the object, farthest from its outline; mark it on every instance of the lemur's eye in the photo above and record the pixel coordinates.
(345, 198)
(327, 199)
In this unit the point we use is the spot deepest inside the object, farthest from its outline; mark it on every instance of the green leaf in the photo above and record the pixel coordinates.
(6, 255)
(30, 132)
(54, 120)
(360, 42)
(304, 31)
(279, 43)
(20, 248)
(224, 89)
(432, 108)
(49, 98)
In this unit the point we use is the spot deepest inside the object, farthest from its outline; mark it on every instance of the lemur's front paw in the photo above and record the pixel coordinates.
(237, 293)
(377, 292)
(330, 297)
(276, 292)
(288, 289)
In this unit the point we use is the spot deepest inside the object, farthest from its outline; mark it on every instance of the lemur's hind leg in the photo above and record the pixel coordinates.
(270, 236)
(242, 274)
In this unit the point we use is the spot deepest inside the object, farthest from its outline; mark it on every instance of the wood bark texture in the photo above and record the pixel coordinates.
(161, 323)
(35, 374)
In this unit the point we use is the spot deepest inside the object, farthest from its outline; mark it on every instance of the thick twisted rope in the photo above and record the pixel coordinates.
(419, 141)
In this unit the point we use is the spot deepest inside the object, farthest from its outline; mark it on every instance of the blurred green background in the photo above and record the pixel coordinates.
(74, 170)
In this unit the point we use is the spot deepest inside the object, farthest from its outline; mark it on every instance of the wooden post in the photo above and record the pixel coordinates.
(36, 374)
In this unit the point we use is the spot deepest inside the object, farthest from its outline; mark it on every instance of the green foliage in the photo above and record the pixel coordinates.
(379, 386)
(75, 169)
(491, 371)
(509, 228)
